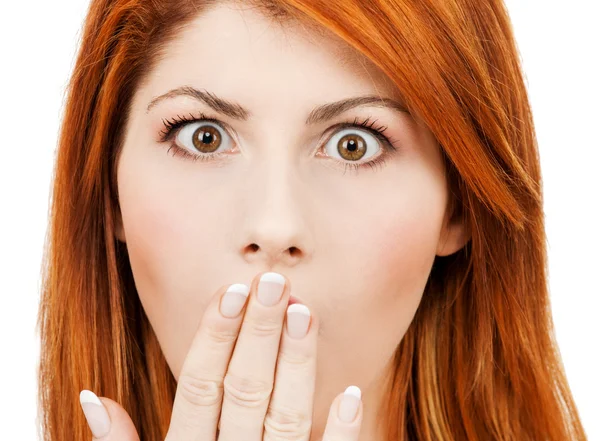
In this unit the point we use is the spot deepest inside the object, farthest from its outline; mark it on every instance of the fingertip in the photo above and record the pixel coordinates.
(87, 396)
(350, 404)
(121, 425)
(95, 413)
(353, 391)
(345, 416)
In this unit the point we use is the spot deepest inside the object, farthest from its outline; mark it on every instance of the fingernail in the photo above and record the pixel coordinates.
(95, 413)
(234, 299)
(270, 288)
(349, 404)
(298, 319)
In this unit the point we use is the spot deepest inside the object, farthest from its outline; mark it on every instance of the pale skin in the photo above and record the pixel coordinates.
(354, 248)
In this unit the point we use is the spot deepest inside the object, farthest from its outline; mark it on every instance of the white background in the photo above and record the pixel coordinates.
(559, 43)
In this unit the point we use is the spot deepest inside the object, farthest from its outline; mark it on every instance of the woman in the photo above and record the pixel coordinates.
(416, 282)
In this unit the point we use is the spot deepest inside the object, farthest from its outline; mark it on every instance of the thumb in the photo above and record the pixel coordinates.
(106, 418)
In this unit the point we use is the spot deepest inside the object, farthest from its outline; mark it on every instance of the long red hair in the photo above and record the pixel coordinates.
(479, 361)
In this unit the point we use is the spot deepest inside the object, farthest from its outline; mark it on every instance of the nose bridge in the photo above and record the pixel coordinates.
(275, 229)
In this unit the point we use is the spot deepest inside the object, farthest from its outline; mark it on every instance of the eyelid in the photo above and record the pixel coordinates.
(179, 123)
(215, 120)
(174, 125)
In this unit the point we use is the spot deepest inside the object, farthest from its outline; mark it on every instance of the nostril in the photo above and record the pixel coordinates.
(293, 251)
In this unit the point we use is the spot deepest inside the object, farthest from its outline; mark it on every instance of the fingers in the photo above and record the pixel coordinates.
(345, 416)
(107, 420)
(289, 415)
(267, 385)
(199, 393)
(250, 375)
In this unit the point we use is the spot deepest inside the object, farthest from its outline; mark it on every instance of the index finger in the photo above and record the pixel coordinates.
(199, 394)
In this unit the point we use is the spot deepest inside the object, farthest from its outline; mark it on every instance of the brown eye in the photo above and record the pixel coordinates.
(206, 139)
(350, 146)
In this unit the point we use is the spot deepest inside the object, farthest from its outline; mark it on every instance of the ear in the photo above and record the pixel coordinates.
(453, 236)
(118, 222)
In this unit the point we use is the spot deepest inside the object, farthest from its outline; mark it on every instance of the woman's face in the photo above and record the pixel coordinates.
(357, 246)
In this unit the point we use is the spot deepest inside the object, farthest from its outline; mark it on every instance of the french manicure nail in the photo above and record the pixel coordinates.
(234, 299)
(95, 413)
(270, 288)
(349, 404)
(298, 320)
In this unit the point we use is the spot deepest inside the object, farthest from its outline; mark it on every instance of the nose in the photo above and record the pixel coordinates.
(275, 223)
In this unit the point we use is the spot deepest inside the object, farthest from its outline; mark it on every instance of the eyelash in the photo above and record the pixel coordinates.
(171, 125)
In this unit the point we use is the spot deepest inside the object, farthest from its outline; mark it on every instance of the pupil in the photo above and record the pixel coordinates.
(351, 146)
(207, 137)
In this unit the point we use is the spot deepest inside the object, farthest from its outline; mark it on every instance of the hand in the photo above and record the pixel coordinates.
(243, 379)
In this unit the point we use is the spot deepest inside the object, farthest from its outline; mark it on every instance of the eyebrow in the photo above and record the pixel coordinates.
(317, 115)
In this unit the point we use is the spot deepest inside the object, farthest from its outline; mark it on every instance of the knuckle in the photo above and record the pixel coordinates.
(246, 392)
(287, 424)
(220, 335)
(263, 327)
(295, 358)
(200, 392)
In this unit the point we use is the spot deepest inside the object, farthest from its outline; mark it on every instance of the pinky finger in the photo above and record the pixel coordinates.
(345, 416)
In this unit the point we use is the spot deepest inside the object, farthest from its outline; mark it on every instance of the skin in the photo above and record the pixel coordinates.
(356, 247)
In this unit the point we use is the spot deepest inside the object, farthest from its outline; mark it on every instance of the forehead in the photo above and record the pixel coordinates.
(235, 43)
(226, 23)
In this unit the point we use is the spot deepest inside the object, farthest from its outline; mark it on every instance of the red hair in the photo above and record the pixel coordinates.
(478, 362)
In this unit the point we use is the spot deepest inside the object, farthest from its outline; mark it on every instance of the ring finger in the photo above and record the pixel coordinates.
(290, 411)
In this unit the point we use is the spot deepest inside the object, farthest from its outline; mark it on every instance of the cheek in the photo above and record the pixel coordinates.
(398, 240)
(394, 261)
(167, 229)
(172, 247)
(385, 266)
(405, 246)
(172, 244)
(154, 229)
